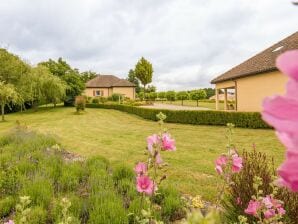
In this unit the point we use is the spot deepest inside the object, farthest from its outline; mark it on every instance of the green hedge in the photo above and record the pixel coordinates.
(240, 119)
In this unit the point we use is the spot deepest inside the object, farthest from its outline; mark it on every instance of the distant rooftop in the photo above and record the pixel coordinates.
(106, 81)
(260, 63)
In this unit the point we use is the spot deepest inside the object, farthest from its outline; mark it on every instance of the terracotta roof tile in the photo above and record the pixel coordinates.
(260, 63)
(105, 81)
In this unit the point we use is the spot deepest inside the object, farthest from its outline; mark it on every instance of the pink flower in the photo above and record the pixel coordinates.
(267, 201)
(236, 163)
(141, 168)
(238, 201)
(152, 141)
(281, 211)
(281, 112)
(145, 184)
(252, 208)
(9, 222)
(269, 213)
(168, 143)
(220, 162)
(288, 172)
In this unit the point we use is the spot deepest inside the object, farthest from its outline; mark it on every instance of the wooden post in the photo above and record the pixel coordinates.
(216, 99)
(225, 99)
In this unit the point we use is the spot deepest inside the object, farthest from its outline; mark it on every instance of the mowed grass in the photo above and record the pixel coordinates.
(121, 138)
(193, 103)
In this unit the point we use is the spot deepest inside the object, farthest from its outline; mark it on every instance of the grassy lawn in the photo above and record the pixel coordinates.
(120, 137)
(192, 103)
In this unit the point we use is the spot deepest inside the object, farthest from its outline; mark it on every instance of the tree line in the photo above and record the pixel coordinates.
(24, 86)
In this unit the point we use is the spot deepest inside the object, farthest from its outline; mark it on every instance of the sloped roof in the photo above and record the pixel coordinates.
(260, 63)
(106, 81)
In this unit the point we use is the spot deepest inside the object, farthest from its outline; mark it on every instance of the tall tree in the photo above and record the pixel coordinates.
(69, 75)
(182, 95)
(8, 95)
(198, 95)
(88, 75)
(144, 72)
(133, 79)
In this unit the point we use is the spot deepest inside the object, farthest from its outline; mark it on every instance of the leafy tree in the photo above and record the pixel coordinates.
(140, 95)
(88, 75)
(209, 92)
(143, 72)
(198, 95)
(161, 95)
(149, 89)
(152, 96)
(183, 95)
(133, 79)
(8, 95)
(171, 95)
(12, 67)
(69, 75)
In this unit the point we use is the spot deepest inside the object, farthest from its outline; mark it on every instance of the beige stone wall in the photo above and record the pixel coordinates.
(106, 91)
(127, 91)
(253, 89)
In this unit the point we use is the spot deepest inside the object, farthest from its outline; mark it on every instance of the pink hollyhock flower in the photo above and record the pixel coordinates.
(281, 211)
(168, 143)
(288, 172)
(238, 201)
(152, 141)
(145, 184)
(141, 168)
(282, 113)
(9, 222)
(269, 213)
(252, 208)
(158, 159)
(236, 163)
(220, 162)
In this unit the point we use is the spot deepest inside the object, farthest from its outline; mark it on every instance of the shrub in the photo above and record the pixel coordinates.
(39, 190)
(80, 103)
(37, 215)
(240, 119)
(6, 206)
(95, 100)
(97, 163)
(172, 206)
(116, 97)
(171, 95)
(255, 164)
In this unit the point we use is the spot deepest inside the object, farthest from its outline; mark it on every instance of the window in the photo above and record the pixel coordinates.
(97, 93)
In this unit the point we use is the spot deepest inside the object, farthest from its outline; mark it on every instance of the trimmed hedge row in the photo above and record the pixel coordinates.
(240, 119)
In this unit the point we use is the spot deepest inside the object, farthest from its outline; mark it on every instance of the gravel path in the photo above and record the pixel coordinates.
(173, 107)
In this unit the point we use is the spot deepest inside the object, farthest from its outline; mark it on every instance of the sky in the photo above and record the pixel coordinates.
(189, 42)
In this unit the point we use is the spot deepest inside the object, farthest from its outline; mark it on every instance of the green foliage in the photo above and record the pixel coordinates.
(123, 172)
(240, 119)
(133, 79)
(198, 95)
(37, 215)
(97, 163)
(171, 95)
(95, 100)
(144, 72)
(172, 206)
(40, 191)
(209, 92)
(182, 95)
(161, 95)
(6, 206)
(88, 75)
(8, 94)
(152, 96)
(80, 103)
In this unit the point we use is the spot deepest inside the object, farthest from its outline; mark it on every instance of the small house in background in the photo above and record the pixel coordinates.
(256, 78)
(107, 85)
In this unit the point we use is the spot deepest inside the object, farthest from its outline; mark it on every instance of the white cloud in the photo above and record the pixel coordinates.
(189, 42)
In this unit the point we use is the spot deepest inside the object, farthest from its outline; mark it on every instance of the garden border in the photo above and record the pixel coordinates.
(221, 118)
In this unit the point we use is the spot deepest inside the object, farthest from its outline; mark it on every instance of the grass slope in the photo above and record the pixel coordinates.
(121, 138)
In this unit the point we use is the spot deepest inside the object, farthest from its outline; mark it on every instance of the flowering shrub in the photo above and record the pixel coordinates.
(148, 175)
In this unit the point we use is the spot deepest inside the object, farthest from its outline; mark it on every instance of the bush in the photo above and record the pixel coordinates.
(80, 103)
(37, 215)
(240, 119)
(95, 100)
(116, 97)
(6, 206)
(256, 164)
(172, 206)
